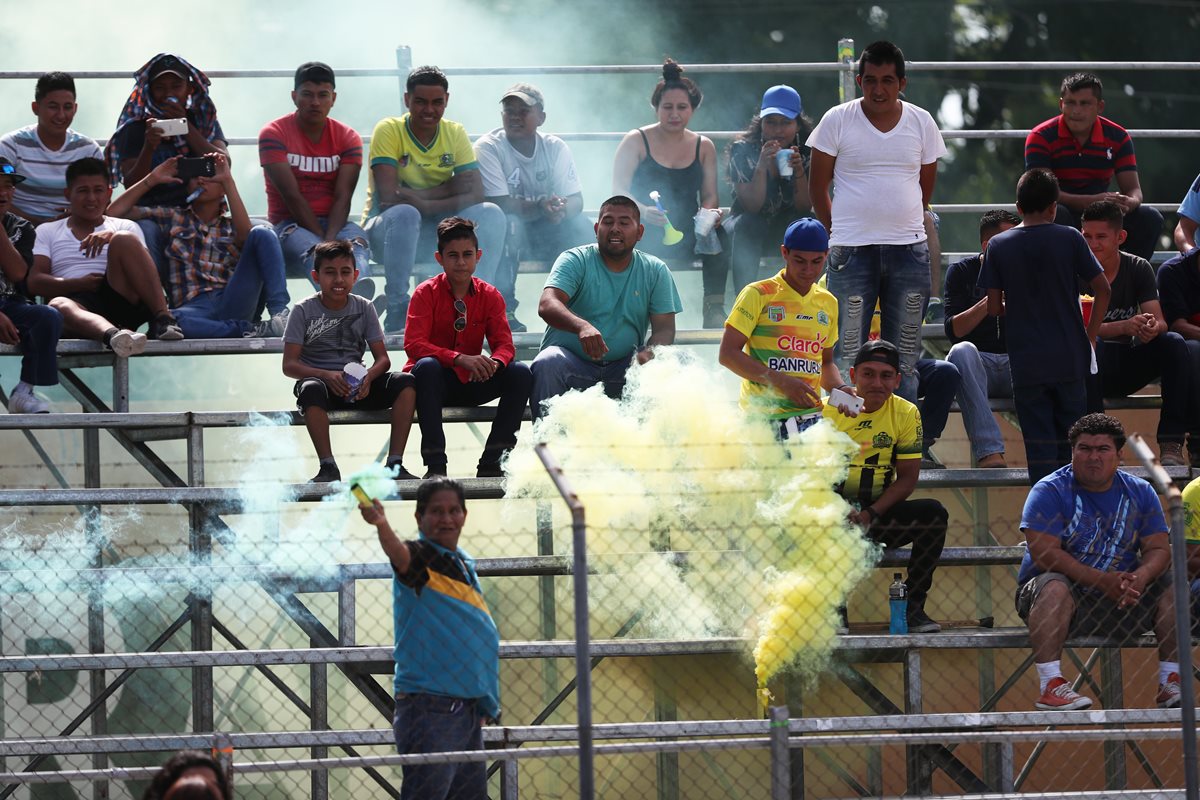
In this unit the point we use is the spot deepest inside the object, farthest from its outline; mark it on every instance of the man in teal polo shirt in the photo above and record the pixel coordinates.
(598, 302)
(447, 647)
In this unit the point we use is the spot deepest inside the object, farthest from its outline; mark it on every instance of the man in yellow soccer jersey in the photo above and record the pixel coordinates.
(1191, 531)
(884, 473)
(780, 334)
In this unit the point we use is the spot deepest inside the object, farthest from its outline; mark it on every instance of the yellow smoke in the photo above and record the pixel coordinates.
(678, 466)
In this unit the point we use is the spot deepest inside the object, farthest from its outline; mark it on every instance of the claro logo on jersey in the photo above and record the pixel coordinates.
(799, 344)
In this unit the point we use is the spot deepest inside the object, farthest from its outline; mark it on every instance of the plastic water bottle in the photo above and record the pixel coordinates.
(898, 601)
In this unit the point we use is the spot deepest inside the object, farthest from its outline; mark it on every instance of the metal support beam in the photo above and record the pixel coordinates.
(318, 676)
(1112, 695)
(920, 771)
(781, 770)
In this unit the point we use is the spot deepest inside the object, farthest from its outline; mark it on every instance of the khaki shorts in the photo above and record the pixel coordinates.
(1095, 614)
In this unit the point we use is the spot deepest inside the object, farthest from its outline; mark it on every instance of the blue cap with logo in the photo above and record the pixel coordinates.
(781, 99)
(806, 234)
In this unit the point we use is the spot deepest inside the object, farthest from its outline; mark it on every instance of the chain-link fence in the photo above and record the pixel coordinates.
(717, 561)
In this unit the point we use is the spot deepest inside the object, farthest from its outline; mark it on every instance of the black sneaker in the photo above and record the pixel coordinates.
(365, 287)
(435, 471)
(489, 471)
(396, 317)
(165, 329)
(919, 622)
(328, 473)
(515, 325)
(401, 473)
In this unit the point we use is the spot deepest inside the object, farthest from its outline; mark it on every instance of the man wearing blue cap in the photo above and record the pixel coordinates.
(780, 335)
(765, 197)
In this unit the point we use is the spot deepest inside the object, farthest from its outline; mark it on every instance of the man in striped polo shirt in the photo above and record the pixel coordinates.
(1084, 150)
(41, 152)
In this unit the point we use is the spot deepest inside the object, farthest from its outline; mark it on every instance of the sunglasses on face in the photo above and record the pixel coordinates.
(460, 323)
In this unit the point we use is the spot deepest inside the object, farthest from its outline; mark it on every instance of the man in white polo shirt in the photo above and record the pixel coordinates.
(881, 152)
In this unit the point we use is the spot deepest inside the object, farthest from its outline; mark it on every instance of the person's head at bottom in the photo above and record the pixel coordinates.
(189, 775)
(876, 373)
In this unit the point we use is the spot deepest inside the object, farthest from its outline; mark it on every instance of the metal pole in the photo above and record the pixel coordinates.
(583, 672)
(781, 766)
(404, 64)
(1183, 603)
(845, 55)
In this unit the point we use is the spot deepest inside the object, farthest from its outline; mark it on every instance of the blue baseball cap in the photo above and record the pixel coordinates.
(806, 234)
(781, 99)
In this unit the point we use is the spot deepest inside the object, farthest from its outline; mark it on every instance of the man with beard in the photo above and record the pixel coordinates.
(597, 304)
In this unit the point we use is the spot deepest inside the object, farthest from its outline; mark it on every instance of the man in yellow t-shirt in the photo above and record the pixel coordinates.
(423, 170)
(884, 473)
(780, 334)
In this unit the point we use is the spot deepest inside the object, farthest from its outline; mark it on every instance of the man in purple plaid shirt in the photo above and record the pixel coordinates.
(219, 268)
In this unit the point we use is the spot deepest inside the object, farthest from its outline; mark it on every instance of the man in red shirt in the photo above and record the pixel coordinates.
(448, 317)
(311, 164)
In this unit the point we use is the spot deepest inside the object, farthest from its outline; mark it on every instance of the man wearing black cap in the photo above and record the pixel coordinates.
(532, 177)
(311, 164)
(884, 473)
(36, 328)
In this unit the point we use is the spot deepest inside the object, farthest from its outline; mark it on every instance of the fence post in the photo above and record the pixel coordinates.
(1183, 606)
(846, 87)
(404, 64)
(583, 660)
(781, 763)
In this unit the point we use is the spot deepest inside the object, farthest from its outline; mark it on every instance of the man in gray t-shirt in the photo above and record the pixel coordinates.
(327, 333)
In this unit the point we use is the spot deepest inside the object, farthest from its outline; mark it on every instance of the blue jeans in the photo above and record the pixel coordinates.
(428, 723)
(1046, 412)
(230, 312)
(937, 384)
(398, 232)
(40, 327)
(557, 370)
(984, 375)
(895, 275)
(298, 243)
(438, 387)
(536, 239)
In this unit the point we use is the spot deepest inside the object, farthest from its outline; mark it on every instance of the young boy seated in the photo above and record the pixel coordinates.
(95, 269)
(448, 318)
(218, 266)
(35, 328)
(329, 331)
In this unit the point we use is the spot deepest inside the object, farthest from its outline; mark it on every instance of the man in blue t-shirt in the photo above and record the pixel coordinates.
(597, 304)
(1098, 562)
(1031, 273)
(447, 651)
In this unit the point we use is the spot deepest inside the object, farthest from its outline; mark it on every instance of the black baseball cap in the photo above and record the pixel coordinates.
(168, 63)
(7, 169)
(880, 351)
(314, 72)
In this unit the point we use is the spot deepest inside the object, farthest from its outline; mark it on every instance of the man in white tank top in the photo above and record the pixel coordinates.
(881, 153)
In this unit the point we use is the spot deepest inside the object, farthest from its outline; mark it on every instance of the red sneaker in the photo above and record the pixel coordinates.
(1059, 696)
(1169, 692)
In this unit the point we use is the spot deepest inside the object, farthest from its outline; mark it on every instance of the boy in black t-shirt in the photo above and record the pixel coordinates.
(1031, 274)
(1135, 346)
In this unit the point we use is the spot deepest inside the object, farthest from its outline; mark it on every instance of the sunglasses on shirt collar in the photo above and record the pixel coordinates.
(460, 323)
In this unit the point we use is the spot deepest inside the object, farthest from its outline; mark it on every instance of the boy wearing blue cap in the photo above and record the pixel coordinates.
(780, 335)
(766, 195)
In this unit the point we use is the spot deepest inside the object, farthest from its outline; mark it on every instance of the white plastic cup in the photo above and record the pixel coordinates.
(355, 373)
(783, 160)
(706, 220)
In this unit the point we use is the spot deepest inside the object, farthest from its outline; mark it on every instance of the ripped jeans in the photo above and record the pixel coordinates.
(298, 242)
(895, 275)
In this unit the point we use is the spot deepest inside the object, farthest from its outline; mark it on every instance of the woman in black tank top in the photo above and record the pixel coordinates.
(678, 163)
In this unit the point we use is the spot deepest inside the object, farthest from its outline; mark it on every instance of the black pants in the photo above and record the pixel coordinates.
(921, 523)
(1125, 368)
(438, 387)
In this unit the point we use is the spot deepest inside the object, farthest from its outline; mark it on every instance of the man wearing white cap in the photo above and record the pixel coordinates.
(532, 177)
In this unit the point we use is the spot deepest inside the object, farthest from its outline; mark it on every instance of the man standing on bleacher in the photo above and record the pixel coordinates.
(1098, 562)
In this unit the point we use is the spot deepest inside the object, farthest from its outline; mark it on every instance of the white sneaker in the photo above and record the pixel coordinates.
(24, 401)
(126, 343)
(273, 327)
